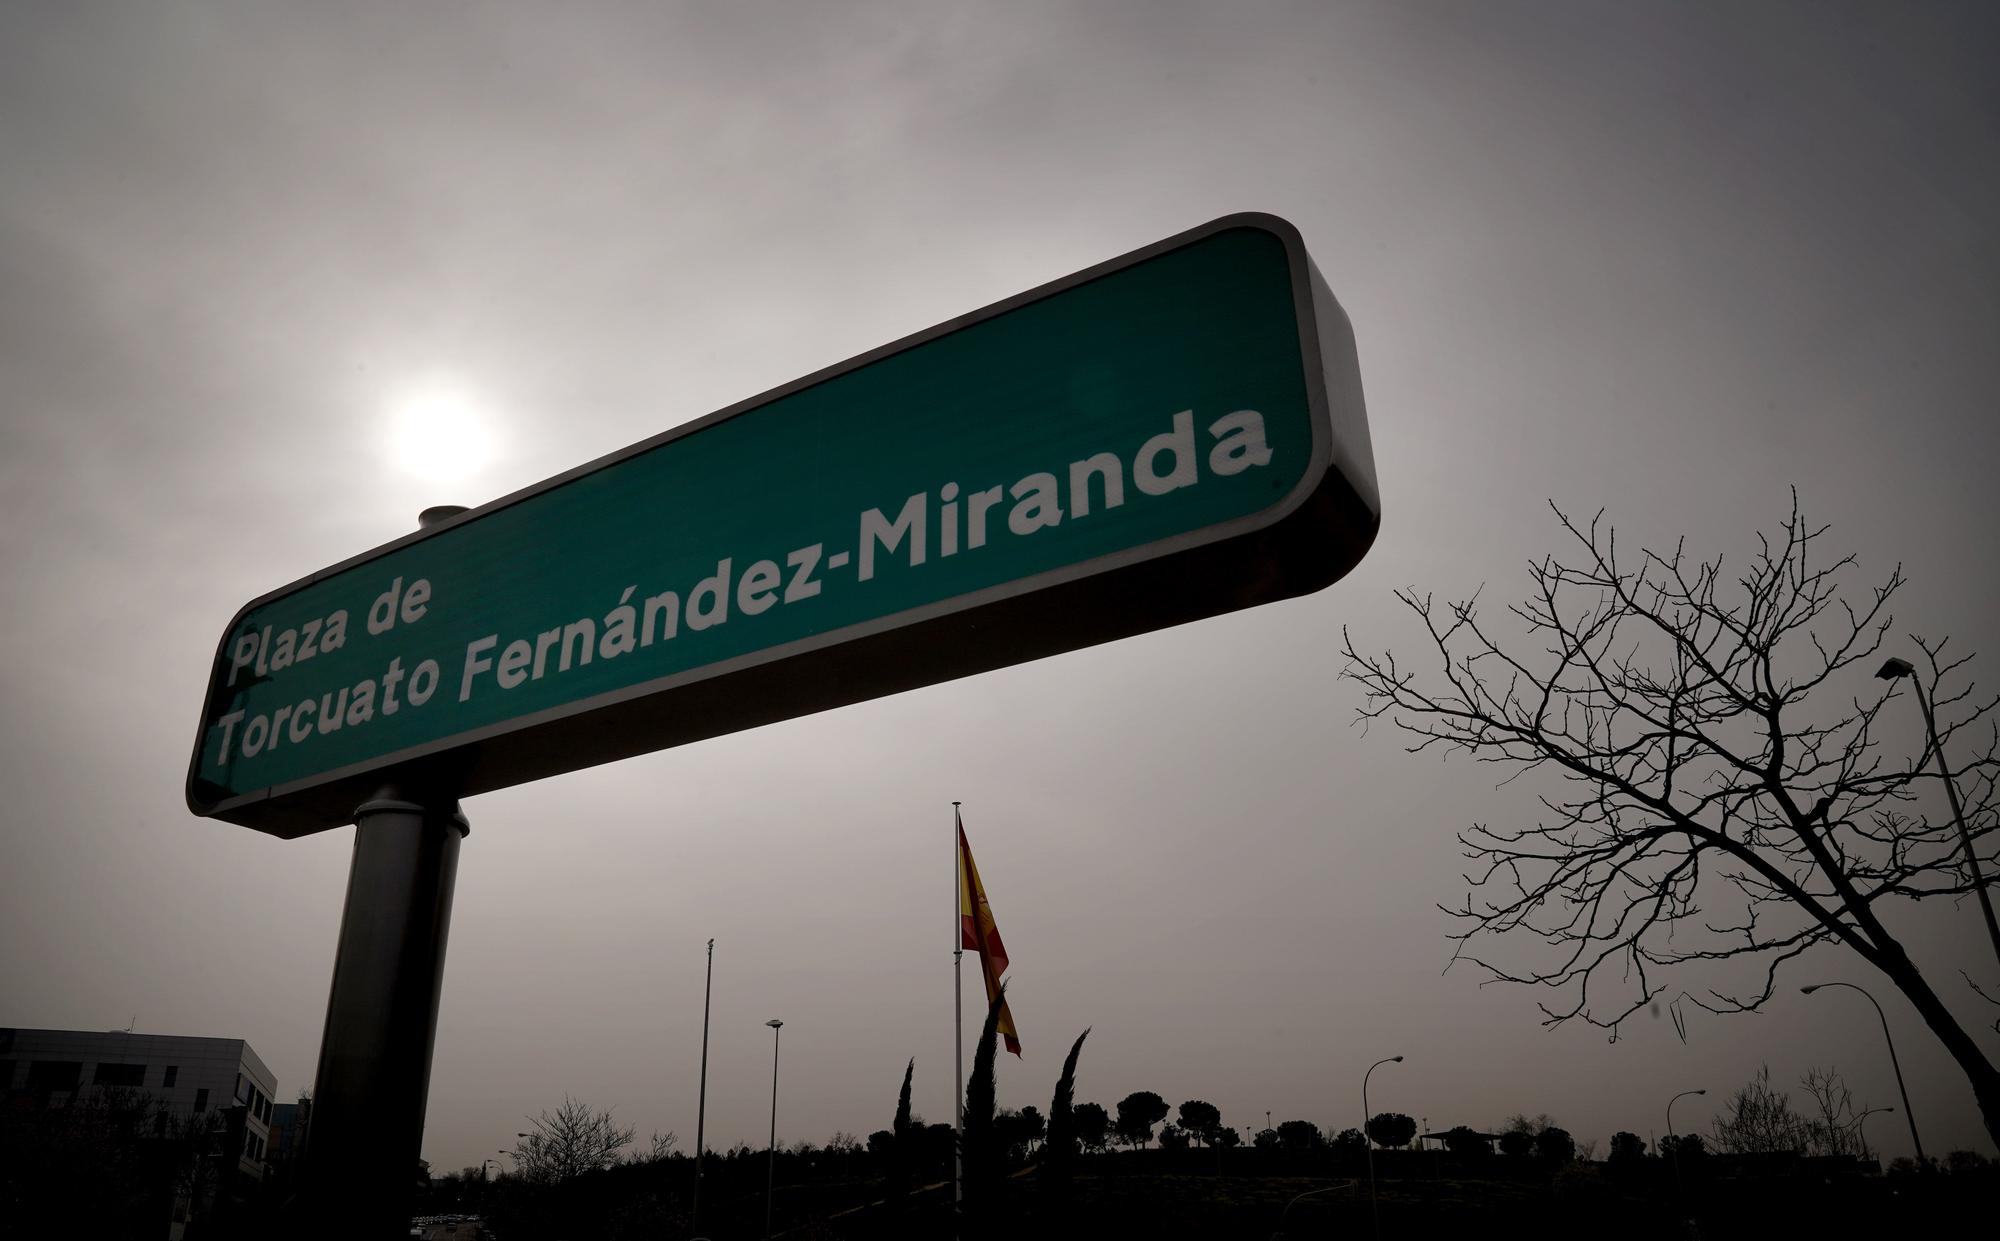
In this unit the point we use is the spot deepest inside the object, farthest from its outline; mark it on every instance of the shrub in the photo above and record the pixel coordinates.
(1555, 1145)
(1391, 1129)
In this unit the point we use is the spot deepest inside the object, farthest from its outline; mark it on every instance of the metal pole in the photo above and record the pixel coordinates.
(374, 1070)
(1368, 1143)
(957, 1016)
(1958, 816)
(1861, 1127)
(373, 1078)
(771, 1167)
(1678, 1187)
(701, 1108)
(1893, 1063)
(1676, 1099)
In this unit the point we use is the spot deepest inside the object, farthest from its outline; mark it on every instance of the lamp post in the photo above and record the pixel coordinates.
(1893, 1062)
(1670, 1107)
(701, 1108)
(1679, 1188)
(1861, 1126)
(1374, 1210)
(771, 1166)
(1894, 670)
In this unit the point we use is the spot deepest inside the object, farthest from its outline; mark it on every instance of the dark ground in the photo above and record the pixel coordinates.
(1162, 1196)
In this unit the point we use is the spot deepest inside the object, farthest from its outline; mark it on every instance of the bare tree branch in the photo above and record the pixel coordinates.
(1721, 787)
(572, 1140)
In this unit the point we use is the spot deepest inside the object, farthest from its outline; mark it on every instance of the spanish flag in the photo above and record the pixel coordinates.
(980, 934)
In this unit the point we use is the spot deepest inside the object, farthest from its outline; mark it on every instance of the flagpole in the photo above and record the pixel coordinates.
(957, 1017)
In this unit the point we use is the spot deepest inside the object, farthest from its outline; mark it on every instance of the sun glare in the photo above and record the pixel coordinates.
(440, 435)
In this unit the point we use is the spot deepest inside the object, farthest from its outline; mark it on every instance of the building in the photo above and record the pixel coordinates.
(217, 1084)
(289, 1122)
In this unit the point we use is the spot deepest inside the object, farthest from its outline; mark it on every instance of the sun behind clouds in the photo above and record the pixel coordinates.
(439, 432)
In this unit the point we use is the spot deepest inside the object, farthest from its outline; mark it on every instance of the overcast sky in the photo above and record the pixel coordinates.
(1665, 259)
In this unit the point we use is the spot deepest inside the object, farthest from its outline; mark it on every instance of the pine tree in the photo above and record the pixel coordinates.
(979, 1145)
(1059, 1152)
(903, 1152)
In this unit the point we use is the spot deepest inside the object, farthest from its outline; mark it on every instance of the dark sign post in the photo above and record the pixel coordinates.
(1170, 435)
(369, 1095)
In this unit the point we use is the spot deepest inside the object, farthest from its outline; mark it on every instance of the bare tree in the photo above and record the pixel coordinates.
(1758, 1120)
(570, 1141)
(658, 1149)
(1836, 1129)
(1726, 790)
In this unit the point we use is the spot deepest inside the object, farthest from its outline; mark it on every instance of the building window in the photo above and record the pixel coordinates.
(54, 1074)
(119, 1075)
(201, 1100)
(173, 1071)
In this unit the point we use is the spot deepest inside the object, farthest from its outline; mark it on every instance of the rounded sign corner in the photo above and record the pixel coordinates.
(1263, 222)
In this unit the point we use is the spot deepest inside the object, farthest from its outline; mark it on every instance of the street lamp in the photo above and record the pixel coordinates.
(701, 1107)
(1893, 1062)
(1678, 1187)
(771, 1166)
(1861, 1126)
(1895, 670)
(1670, 1107)
(1369, 1143)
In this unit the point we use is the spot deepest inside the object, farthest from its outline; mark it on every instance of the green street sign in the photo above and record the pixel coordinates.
(1176, 433)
